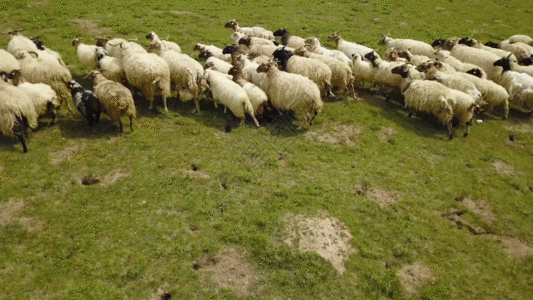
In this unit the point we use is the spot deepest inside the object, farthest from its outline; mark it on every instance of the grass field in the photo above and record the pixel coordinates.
(366, 204)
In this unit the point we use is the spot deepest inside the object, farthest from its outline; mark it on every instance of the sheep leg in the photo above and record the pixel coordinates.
(255, 120)
(54, 116)
(242, 121)
(197, 105)
(450, 130)
(120, 124)
(151, 107)
(97, 117)
(165, 103)
(131, 123)
(468, 124)
(225, 108)
(505, 111)
(22, 140)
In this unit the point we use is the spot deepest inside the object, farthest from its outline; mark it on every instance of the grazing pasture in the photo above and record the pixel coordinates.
(364, 204)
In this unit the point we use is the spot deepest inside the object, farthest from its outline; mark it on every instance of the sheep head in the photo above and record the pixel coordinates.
(282, 56)
(476, 72)
(16, 76)
(467, 41)
(491, 44)
(371, 56)
(383, 39)
(247, 41)
(333, 38)
(230, 49)
(37, 42)
(402, 70)
(151, 35)
(505, 63)
(237, 35)
(266, 67)
(231, 24)
(312, 41)
(437, 42)
(76, 42)
(205, 54)
(281, 32)
(301, 51)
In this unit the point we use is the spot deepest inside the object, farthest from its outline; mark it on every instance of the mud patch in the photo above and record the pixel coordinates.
(386, 134)
(10, 212)
(503, 168)
(414, 276)
(91, 27)
(383, 197)
(512, 246)
(113, 177)
(523, 128)
(66, 154)
(324, 235)
(479, 207)
(341, 133)
(229, 270)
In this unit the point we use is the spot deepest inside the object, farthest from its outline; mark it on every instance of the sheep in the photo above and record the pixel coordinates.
(217, 52)
(478, 57)
(313, 45)
(519, 68)
(113, 46)
(17, 113)
(251, 31)
(220, 65)
(454, 81)
(520, 38)
(114, 97)
(362, 70)
(382, 72)
(8, 62)
(341, 74)
(230, 94)
(110, 66)
(288, 39)
(445, 57)
(348, 48)
(313, 69)
(391, 54)
(148, 72)
(256, 95)
(44, 98)
(525, 60)
(470, 42)
(445, 44)
(152, 36)
(248, 40)
(414, 46)
(86, 53)
(19, 42)
(249, 70)
(517, 48)
(292, 92)
(257, 49)
(413, 59)
(441, 66)
(86, 102)
(48, 72)
(446, 104)
(518, 85)
(45, 51)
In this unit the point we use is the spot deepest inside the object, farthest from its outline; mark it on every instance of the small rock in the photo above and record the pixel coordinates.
(194, 167)
(512, 138)
(195, 266)
(166, 296)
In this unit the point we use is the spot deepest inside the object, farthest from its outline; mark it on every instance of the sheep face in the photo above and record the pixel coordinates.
(231, 24)
(38, 43)
(504, 63)
(73, 84)
(311, 41)
(102, 42)
(150, 35)
(383, 40)
(334, 37)
(281, 32)
(265, 68)
(476, 72)
(230, 49)
(467, 41)
(437, 42)
(76, 42)
(525, 60)
(371, 56)
(247, 41)
(205, 54)
(282, 56)
(491, 44)
(402, 70)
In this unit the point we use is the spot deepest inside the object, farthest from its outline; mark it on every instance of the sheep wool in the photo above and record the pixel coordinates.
(8, 62)
(414, 46)
(288, 39)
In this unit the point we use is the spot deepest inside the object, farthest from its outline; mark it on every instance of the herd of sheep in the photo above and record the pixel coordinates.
(458, 79)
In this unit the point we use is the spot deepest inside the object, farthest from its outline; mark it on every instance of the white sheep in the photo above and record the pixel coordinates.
(515, 83)
(152, 36)
(219, 64)
(292, 92)
(341, 74)
(44, 98)
(314, 46)
(412, 58)
(249, 70)
(44, 71)
(230, 94)
(445, 57)
(251, 31)
(390, 82)
(491, 93)
(19, 42)
(517, 48)
(148, 72)
(17, 113)
(454, 81)
(520, 38)
(8, 62)
(249, 40)
(257, 96)
(288, 39)
(362, 70)
(113, 46)
(86, 53)
(114, 97)
(111, 67)
(348, 48)
(478, 57)
(216, 51)
(313, 69)
(44, 51)
(414, 46)
(470, 42)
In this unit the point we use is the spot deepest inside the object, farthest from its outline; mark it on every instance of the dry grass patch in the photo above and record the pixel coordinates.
(383, 197)
(512, 246)
(324, 235)
(503, 168)
(113, 177)
(386, 134)
(38, 4)
(67, 153)
(10, 212)
(91, 27)
(230, 270)
(522, 128)
(341, 133)
(414, 276)
(478, 207)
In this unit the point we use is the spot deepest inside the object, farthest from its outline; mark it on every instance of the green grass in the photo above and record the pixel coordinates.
(127, 238)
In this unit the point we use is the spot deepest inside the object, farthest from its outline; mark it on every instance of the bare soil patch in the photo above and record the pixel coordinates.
(38, 4)
(10, 212)
(503, 168)
(383, 197)
(324, 235)
(341, 133)
(512, 246)
(191, 174)
(230, 270)
(113, 177)
(478, 207)
(92, 27)
(179, 13)
(386, 134)
(67, 153)
(523, 128)
(455, 215)
(414, 276)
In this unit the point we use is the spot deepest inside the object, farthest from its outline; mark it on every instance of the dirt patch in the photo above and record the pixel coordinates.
(478, 207)
(161, 294)
(230, 270)
(383, 197)
(503, 168)
(91, 27)
(10, 212)
(514, 247)
(179, 13)
(455, 215)
(523, 128)
(341, 133)
(67, 153)
(191, 174)
(414, 276)
(38, 4)
(113, 177)
(386, 134)
(324, 235)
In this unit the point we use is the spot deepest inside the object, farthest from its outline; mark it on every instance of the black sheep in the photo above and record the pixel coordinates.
(86, 102)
